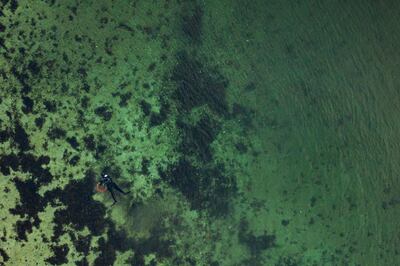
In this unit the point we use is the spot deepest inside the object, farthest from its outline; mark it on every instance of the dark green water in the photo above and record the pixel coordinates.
(247, 132)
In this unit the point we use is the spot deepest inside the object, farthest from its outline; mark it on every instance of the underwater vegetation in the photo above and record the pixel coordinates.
(246, 132)
(206, 185)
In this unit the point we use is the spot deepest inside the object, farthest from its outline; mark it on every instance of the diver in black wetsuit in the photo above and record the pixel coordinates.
(107, 182)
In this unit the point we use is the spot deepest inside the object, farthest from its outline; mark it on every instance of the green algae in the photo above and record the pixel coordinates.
(248, 132)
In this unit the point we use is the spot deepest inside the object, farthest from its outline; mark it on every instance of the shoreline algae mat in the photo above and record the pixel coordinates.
(247, 132)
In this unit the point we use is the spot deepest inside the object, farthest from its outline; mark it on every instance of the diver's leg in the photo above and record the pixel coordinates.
(119, 189)
(112, 194)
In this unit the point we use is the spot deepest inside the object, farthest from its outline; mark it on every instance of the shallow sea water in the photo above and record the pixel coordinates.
(246, 132)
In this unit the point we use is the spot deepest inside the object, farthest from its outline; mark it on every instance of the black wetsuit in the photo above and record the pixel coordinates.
(107, 182)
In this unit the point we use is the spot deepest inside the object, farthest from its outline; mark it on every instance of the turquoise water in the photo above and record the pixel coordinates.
(246, 132)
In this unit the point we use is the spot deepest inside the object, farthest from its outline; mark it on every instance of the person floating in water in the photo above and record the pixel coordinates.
(106, 183)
